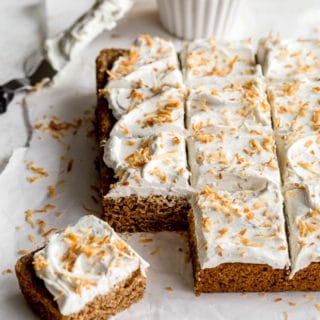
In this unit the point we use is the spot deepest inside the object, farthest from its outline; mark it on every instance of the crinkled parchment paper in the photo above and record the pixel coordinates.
(53, 181)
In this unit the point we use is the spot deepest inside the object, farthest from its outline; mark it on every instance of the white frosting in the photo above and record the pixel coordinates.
(231, 101)
(233, 158)
(155, 76)
(295, 105)
(205, 60)
(150, 68)
(120, 100)
(84, 261)
(299, 158)
(304, 229)
(240, 226)
(102, 16)
(290, 58)
(162, 112)
(147, 166)
(151, 63)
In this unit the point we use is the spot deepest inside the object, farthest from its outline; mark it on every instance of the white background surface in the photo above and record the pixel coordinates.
(73, 97)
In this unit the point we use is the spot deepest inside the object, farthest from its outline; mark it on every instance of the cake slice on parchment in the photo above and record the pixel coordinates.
(84, 272)
(238, 240)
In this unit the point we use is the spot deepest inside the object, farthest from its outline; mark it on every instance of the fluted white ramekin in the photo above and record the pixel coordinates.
(190, 19)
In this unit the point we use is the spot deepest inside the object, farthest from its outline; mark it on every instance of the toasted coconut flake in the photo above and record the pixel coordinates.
(139, 158)
(40, 263)
(23, 251)
(28, 218)
(32, 238)
(51, 192)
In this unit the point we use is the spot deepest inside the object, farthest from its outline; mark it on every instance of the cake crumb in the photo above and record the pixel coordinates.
(70, 165)
(58, 214)
(277, 299)
(292, 304)
(169, 289)
(155, 252)
(262, 294)
(286, 315)
(145, 240)
(7, 271)
(115, 35)
(317, 306)
(19, 227)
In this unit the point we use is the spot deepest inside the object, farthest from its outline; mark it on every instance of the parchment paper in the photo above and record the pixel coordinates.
(62, 155)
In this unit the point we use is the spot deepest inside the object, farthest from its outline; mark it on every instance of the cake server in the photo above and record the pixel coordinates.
(59, 50)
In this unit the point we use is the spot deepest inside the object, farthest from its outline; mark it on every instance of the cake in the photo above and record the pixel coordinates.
(238, 240)
(220, 149)
(84, 272)
(208, 60)
(289, 58)
(143, 90)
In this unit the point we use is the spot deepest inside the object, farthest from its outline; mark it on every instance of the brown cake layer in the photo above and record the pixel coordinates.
(102, 307)
(133, 213)
(248, 277)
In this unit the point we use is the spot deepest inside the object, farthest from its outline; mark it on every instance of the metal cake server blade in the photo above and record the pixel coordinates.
(8, 89)
(103, 15)
(36, 71)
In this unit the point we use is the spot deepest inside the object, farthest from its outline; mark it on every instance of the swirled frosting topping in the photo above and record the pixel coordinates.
(240, 226)
(84, 261)
(228, 102)
(297, 58)
(233, 158)
(295, 105)
(150, 63)
(205, 60)
(162, 112)
(151, 165)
